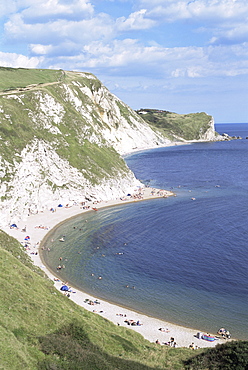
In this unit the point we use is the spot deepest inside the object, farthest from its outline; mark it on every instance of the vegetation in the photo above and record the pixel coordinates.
(187, 126)
(228, 356)
(14, 78)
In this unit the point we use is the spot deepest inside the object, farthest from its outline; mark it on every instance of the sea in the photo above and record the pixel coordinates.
(183, 259)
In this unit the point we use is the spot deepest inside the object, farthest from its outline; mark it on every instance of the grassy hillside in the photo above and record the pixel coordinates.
(188, 126)
(14, 78)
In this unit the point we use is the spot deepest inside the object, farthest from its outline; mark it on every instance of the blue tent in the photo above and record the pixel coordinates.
(64, 288)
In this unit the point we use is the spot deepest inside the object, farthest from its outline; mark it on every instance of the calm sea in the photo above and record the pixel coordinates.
(178, 259)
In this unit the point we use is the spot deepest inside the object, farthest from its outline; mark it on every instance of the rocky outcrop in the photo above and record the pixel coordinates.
(210, 134)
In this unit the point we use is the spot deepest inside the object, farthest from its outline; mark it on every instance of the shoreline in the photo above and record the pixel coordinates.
(39, 226)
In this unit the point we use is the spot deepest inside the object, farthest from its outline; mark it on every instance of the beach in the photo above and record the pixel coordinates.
(37, 227)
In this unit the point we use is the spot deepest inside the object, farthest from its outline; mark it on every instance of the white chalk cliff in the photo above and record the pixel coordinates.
(62, 143)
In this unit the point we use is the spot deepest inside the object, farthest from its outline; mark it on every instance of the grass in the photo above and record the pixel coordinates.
(187, 126)
(14, 78)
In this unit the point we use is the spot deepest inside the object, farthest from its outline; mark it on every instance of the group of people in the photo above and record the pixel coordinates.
(170, 343)
(224, 333)
(133, 322)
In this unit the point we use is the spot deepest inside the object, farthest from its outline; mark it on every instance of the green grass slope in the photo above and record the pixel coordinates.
(16, 78)
(187, 126)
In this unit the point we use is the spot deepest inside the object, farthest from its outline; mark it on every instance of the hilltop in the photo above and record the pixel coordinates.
(188, 127)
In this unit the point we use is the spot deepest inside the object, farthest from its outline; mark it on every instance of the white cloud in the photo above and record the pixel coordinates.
(59, 30)
(226, 20)
(237, 34)
(132, 59)
(197, 9)
(19, 61)
(38, 9)
(40, 49)
(135, 21)
(58, 9)
(6, 8)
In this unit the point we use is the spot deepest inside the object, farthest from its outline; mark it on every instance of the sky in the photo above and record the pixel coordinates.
(177, 55)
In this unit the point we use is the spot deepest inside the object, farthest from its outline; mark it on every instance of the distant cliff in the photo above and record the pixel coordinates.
(62, 135)
(182, 127)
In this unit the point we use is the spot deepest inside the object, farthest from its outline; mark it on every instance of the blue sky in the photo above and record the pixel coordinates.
(177, 55)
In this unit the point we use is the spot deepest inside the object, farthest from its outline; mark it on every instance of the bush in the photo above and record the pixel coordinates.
(228, 356)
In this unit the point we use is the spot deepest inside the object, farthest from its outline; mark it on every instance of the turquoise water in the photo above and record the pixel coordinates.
(177, 259)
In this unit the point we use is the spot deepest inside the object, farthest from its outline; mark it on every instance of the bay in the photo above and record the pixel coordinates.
(177, 259)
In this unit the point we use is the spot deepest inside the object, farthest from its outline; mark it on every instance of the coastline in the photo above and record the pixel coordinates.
(38, 227)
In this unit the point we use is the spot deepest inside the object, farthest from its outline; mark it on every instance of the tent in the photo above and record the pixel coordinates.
(13, 226)
(64, 288)
(27, 238)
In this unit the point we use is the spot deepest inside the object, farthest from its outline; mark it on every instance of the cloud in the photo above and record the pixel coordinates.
(39, 10)
(235, 35)
(59, 30)
(57, 9)
(135, 21)
(172, 10)
(6, 8)
(19, 61)
(98, 41)
(132, 59)
(225, 20)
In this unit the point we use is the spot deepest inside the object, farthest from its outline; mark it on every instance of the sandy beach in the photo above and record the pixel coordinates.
(37, 227)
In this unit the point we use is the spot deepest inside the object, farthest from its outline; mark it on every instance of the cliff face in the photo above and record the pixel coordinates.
(61, 142)
(62, 135)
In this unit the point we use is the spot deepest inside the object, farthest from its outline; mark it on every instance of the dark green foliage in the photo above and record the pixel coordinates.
(228, 356)
(70, 348)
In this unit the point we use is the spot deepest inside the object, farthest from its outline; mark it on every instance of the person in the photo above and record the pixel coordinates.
(157, 341)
